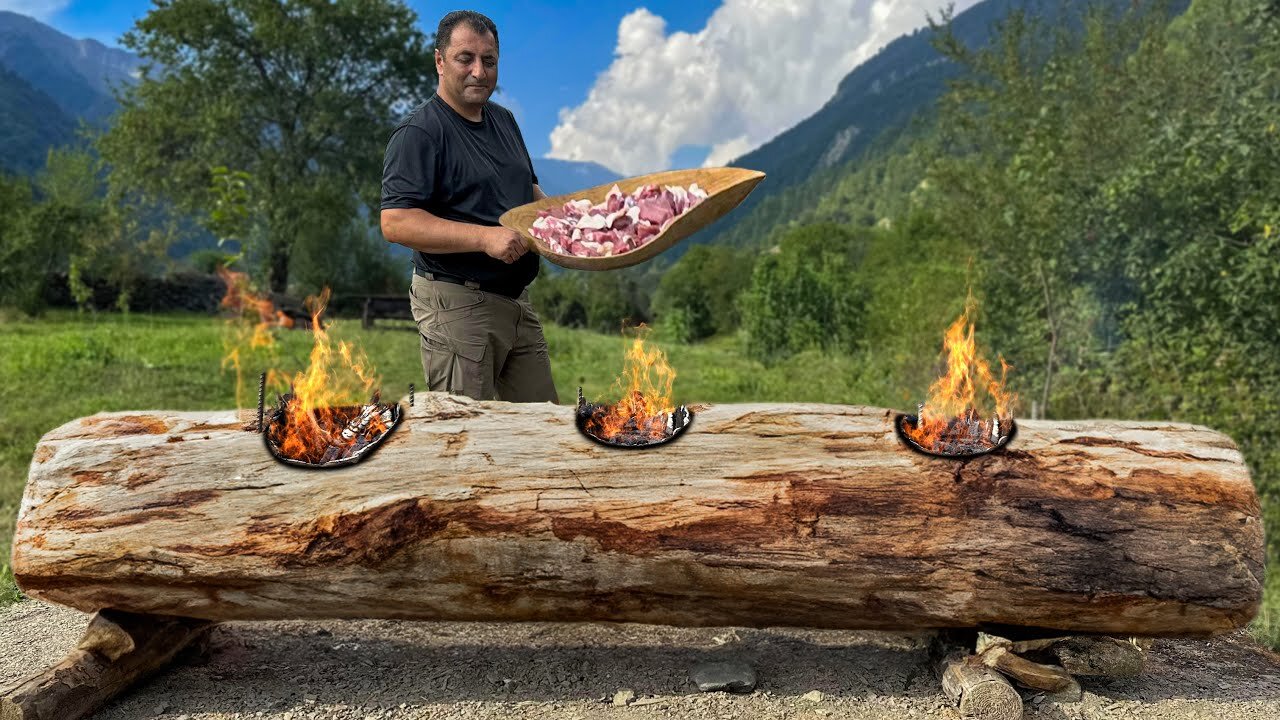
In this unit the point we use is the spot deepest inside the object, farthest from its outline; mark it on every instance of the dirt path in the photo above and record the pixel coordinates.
(381, 669)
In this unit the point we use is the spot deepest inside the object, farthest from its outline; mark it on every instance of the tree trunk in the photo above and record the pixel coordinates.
(278, 271)
(761, 514)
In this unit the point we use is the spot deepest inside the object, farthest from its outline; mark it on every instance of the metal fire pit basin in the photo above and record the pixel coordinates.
(902, 420)
(278, 416)
(680, 419)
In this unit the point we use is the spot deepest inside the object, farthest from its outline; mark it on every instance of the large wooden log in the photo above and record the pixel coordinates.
(761, 514)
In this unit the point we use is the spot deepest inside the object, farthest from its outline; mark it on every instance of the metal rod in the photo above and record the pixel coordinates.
(262, 389)
(410, 394)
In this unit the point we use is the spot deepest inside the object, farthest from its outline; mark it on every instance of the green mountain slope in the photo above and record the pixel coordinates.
(77, 73)
(30, 123)
(877, 108)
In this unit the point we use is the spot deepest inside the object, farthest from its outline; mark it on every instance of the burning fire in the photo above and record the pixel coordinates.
(950, 419)
(315, 423)
(642, 412)
(325, 414)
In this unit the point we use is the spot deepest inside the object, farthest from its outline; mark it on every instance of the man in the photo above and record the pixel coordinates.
(452, 167)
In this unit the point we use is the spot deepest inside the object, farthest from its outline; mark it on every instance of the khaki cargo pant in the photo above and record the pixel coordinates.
(480, 344)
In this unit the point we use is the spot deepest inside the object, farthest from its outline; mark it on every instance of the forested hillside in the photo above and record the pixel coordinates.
(891, 95)
(30, 123)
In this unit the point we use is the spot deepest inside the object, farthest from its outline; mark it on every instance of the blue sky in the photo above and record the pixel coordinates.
(551, 51)
(637, 86)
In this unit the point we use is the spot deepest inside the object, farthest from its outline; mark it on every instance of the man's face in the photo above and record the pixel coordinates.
(468, 67)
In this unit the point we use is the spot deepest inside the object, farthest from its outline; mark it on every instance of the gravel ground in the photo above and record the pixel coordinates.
(382, 669)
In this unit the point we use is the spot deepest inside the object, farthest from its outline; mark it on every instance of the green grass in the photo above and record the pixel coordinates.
(65, 366)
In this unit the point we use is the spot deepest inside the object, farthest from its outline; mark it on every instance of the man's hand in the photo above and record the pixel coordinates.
(503, 244)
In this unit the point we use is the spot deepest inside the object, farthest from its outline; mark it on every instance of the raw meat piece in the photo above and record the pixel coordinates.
(620, 224)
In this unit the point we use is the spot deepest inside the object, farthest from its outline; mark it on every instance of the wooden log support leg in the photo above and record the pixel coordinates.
(118, 650)
(1037, 676)
(978, 691)
(1005, 655)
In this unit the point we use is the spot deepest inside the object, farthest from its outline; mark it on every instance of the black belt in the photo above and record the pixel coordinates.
(469, 283)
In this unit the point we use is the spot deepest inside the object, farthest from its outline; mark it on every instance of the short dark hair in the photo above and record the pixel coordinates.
(476, 21)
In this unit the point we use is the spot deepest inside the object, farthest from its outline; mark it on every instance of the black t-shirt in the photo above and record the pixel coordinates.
(466, 171)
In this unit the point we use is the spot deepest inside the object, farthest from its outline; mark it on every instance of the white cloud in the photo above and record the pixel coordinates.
(38, 9)
(726, 151)
(756, 69)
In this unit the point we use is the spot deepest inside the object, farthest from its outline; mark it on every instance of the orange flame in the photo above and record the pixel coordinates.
(241, 299)
(326, 397)
(245, 305)
(645, 399)
(314, 418)
(954, 394)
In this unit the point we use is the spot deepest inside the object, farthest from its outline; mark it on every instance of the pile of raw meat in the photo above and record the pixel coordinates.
(620, 224)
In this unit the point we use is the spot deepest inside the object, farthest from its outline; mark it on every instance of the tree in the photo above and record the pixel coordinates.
(18, 286)
(66, 224)
(611, 302)
(299, 94)
(1194, 221)
(558, 298)
(1131, 172)
(699, 293)
(106, 238)
(804, 295)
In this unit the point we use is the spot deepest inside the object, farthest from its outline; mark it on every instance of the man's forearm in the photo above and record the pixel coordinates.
(538, 194)
(420, 230)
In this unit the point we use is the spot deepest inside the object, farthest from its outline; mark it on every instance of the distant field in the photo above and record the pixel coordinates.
(65, 366)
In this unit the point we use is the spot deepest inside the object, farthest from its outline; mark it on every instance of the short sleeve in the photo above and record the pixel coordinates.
(409, 169)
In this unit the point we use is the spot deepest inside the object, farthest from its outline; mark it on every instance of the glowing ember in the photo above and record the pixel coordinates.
(337, 435)
(950, 422)
(644, 414)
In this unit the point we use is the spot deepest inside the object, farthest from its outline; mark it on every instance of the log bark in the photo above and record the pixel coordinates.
(761, 514)
(977, 691)
(118, 650)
